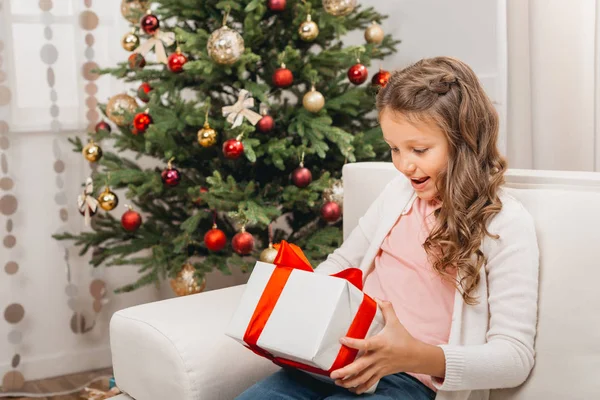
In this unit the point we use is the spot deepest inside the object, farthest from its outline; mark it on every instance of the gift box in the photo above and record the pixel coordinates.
(295, 317)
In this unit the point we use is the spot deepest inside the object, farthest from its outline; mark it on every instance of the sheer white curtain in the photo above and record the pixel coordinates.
(553, 83)
(48, 94)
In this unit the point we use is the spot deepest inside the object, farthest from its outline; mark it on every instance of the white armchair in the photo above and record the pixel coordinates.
(176, 349)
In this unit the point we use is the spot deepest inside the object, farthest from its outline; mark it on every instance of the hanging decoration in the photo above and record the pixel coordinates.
(225, 46)
(235, 114)
(87, 205)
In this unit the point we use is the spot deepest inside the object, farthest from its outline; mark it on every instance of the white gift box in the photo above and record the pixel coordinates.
(309, 317)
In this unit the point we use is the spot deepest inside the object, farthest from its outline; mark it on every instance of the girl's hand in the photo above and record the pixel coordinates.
(390, 351)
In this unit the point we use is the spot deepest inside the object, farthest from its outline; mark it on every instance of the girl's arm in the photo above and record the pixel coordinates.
(507, 357)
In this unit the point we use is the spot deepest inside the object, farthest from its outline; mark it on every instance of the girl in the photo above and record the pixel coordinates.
(451, 255)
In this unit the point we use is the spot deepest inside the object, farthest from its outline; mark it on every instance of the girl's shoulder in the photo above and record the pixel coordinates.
(513, 220)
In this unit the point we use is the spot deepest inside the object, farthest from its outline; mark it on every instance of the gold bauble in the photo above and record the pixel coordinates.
(225, 46)
(313, 101)
(108, 200)
(309, 30)
(339, 8)
(118, 105)
(207, 136)
(133, 10)
(268, 255)
(374, 34)
(130, 41)
(92, 152)
(186, 282)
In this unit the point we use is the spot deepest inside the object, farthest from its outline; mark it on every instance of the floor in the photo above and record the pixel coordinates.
(62, 383)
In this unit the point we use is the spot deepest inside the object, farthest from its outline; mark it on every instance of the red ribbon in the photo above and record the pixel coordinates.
(288, 258)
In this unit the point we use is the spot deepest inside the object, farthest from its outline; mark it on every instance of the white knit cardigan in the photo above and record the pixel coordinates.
(491, 344)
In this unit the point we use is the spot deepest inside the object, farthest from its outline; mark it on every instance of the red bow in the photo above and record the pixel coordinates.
(288, 258)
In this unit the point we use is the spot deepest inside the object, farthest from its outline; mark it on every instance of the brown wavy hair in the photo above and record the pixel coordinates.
(446, 91)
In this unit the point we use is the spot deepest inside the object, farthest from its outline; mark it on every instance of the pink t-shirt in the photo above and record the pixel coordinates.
(402, 274)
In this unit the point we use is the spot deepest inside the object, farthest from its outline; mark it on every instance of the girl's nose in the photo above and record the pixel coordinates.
(410, 168)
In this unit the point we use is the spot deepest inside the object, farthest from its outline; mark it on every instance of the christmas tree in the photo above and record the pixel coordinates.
(227, 172)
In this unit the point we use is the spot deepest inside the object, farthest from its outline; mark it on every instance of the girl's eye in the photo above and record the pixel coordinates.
(395, 150)
(420, 151)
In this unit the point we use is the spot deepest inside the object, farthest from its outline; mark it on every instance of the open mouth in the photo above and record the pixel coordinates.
(420, 180)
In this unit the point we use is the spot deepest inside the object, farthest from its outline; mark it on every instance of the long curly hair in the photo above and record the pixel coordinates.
(446, 91)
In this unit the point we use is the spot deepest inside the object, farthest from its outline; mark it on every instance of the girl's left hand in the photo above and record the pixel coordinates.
(389, 352)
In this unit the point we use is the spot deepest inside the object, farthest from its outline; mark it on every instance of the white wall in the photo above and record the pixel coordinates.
(467, 29)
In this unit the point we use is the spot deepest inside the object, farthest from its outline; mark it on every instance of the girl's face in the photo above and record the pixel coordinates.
(419, 150)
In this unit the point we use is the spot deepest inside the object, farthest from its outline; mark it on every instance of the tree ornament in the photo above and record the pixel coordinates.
(131, 220)
(331, 211)
(130, 41)
(170, 176)
(282, 77)
(186, 282)
(108, 200)
(242, 108)
(176, 61)
(233, 148)
(335, 192)
(225, 46)
(157, 41)
(302, 176)
(207, 136)
(136, 61)
(309, 30)
(339, 8)
(266, 123)
(243, 242)
(141, 121)
(381, 78)
(268, 255)
(374, 34)
(118, 105)
(276, 5)
(92, 152)
(133, 9)
(103, 126)
(143, 92)
(313, 100)
(215, 239)
(86, 204)
(149, 23)
(358, 73)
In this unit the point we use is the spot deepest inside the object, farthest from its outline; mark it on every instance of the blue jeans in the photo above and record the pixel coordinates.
(290, 384)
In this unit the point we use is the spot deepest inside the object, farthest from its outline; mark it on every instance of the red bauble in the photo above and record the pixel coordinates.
(136, 61)
(331, 211)
(102, 126)
(215, 239)
(170, 177)
(150, 24)
(358, 74)
(276, 5)
(301, 177)
(381, 78)
(131, 220)
(282, 77)
(141, 121)
(265, 124)
(233, 149)
(242, 243)
(176, 62)
(143, 91)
